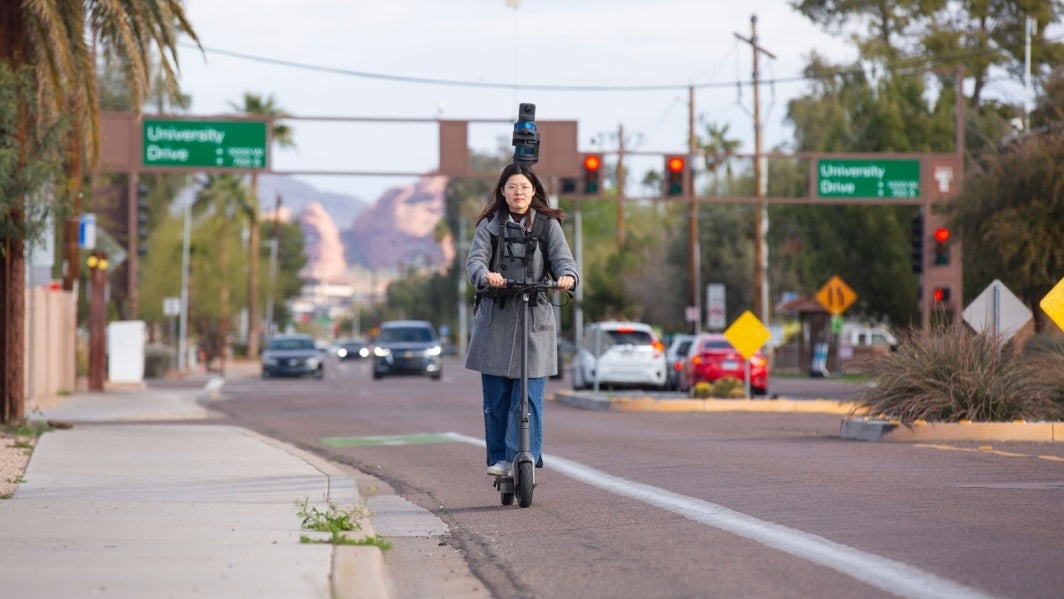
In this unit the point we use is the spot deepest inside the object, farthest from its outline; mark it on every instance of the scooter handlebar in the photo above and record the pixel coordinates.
(545, 284)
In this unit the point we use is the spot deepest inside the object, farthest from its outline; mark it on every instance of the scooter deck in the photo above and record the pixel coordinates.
(504, 484)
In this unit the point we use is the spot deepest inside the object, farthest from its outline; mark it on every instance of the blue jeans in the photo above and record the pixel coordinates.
(502, 404)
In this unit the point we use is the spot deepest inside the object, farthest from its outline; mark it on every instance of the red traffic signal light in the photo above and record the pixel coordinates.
(592, 174)
(942, 246)
(940, 295)
(675, 171)
(592, 162)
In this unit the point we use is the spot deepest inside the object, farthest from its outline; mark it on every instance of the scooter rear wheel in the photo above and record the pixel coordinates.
(524, 484)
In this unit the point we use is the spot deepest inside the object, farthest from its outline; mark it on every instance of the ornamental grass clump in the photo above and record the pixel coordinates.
(949, 374)
(729, 387)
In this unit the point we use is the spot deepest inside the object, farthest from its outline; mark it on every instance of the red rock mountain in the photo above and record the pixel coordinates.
(399, 230)
(322, 246)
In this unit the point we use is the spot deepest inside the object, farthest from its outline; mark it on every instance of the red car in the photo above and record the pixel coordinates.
(711, 357)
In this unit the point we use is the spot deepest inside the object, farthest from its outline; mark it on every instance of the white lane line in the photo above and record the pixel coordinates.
(885, 574)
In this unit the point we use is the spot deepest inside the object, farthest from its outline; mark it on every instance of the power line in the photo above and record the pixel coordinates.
(448, 82)
(901, 65)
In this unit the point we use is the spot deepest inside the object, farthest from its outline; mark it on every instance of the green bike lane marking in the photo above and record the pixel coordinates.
(374, 440)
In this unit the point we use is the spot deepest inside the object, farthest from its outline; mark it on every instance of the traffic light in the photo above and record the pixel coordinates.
(142, 219)
(940, 295)
(942, 246)
(592, 174)
(675, 171)
(918, 243)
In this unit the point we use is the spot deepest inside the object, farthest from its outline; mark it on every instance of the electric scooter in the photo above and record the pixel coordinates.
(522, 479)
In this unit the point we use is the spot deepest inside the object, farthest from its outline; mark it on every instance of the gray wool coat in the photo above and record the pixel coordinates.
(495, 345)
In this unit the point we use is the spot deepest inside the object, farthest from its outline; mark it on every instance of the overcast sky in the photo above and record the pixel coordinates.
(514, 53)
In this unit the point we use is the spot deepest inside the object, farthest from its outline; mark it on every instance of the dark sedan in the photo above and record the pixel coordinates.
(292, 355)
(352, 350)
(407, 347)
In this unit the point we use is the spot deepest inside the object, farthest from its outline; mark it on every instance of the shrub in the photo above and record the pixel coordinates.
(729, 387)
(948, 374)
(701, 390)
(157, 361)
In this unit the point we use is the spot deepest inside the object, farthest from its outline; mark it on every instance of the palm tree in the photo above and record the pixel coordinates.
(282, 136)
(224, 196)
(48, 40)
(717, 150)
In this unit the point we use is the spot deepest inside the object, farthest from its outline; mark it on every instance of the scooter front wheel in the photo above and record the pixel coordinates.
(524, 484)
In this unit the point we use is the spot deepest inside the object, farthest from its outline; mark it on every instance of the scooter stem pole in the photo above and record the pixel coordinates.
(524, 442)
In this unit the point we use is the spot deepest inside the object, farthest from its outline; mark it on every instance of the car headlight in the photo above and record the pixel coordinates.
(381, 352)
(269, 361)
(364, 352)
(341, 352)
(313, 362)
(435, 350)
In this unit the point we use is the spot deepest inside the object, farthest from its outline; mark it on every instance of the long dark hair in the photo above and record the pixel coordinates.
(539, 198)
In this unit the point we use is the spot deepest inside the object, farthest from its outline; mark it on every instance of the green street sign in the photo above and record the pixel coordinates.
(861, 178)
(205, 144)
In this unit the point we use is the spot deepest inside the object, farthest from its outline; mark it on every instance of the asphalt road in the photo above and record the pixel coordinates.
(688, 505)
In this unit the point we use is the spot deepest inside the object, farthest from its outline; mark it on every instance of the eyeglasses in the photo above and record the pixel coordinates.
(513, 188)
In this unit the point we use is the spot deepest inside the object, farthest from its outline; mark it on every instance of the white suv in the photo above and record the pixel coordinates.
(620, 354)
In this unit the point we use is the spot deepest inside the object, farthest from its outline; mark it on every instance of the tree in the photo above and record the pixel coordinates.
(46, 41)
(254, 104)
(718, 147)
(981, 35)
(224, 196)
(1010, 212)
(868, 246)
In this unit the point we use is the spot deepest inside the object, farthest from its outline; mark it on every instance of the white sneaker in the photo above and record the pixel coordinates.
(501, 468)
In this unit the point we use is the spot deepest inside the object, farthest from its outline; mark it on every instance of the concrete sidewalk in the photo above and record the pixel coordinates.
(121, 505)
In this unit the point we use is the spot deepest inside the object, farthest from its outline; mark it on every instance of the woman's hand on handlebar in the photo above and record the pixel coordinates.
(566, 282)
(494, 279)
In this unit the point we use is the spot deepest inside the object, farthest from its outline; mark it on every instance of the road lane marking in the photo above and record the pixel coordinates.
(989, 450)
(416, 439)
(880, 572)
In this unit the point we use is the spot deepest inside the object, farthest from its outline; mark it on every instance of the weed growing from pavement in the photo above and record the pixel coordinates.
(26, 428)
(336, 522)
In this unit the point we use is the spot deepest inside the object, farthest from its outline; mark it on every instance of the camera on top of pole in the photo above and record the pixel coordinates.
(526, 136)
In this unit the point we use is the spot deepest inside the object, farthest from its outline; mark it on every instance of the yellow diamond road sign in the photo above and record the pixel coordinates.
(747, 334)
(1053, 304)
(836, 296)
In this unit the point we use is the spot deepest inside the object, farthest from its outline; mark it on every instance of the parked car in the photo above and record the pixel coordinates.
(352, 349)
(628, 354)
(292, 355)
(407, 347)
(675, 356)
(712, 357)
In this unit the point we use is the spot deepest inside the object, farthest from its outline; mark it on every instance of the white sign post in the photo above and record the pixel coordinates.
(716, 315)
(997, 312)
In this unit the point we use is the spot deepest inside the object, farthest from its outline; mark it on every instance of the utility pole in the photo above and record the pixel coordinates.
(761, 303)
(620, 186)
(694, 251)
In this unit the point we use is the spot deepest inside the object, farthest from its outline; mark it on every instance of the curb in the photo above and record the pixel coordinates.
(856, 428)
(894, 431)
(351, 567)
(647, 403)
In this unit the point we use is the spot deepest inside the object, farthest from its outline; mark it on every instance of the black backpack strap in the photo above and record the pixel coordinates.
(540, 234)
